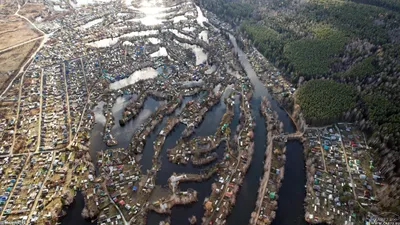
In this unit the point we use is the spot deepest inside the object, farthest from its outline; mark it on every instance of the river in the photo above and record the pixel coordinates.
(292, 192)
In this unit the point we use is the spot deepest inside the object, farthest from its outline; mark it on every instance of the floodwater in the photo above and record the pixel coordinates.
(200, 17)
(208, 126)
(124, 134)
(204, 35)
(160, 53)
(292, 193)
(74, 216)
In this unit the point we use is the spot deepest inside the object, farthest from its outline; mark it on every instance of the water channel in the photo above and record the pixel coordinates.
(208, 126)
(292, 193)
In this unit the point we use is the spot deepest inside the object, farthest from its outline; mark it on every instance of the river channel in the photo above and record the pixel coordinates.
(292, 193)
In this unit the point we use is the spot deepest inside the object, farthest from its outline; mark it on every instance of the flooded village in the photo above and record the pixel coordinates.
(149, 112)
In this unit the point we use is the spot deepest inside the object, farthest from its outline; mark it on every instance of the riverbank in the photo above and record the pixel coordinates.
(266, 205)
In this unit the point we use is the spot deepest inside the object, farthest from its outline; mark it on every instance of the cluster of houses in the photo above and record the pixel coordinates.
(124, 182)
(47, 111)
(267, 199)
(341, 178)
(232, 169)
(25, 195)
(272, 78)
(8, 116)
(55, 126)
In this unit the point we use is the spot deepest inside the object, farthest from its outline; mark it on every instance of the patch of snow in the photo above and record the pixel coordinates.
(154, 41)
(104, 43)
(204, 36)
(200, 17)
(179, 18)
(176, 32)
(161, 52)
(190, 29)
(92, 23)
(146, 73)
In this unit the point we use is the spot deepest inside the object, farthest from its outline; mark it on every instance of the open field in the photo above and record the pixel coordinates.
(32, 10)
(12, 60)
(15, 30)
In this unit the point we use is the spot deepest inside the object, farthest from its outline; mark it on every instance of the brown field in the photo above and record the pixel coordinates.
(32, 10)
(7, 7)
(15, 30)
(12, 60)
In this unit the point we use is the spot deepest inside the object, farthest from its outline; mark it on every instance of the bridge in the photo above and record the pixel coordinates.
(287, 137)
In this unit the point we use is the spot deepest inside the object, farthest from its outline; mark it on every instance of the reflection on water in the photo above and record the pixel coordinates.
(74, 216)
(290, 204)
(292, 192)
(98, 113)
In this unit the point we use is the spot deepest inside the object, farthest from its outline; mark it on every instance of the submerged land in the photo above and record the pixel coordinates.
(162, 112)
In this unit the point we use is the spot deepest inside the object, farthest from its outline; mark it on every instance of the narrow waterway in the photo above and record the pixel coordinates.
(148, 149)
(247, 195)
(124, 134)
(96, 136)
(208, 126)
(292, 193)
